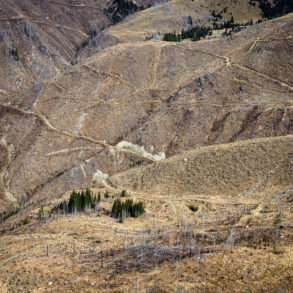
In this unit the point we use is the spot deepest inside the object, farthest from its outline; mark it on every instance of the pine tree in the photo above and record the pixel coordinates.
(88, 199)
(79, 201)
(121, 210)
(71, 206)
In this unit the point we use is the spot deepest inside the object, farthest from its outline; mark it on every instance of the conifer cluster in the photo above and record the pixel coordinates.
(194, 33)
(121, 210)
(79, 201)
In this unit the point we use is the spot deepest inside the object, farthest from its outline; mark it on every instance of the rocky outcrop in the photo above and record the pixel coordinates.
(117, 10)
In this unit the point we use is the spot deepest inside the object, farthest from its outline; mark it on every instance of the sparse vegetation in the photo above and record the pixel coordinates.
(230, 26)
(277, 223)
(213, 214)
(197, 33)
(277, 220)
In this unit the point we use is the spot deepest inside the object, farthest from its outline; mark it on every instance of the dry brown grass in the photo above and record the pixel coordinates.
(174, 97)
(243, 167)
(63, 254)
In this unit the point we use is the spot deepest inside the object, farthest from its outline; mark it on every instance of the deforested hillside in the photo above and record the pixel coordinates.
(146, 146)
(167, 96)
(41, 39)
(247, 167)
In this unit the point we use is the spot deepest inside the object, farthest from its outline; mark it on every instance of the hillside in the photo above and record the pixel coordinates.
(202, 93)
(41, 39)
(192, 237)
(245, 167)
(184, 105)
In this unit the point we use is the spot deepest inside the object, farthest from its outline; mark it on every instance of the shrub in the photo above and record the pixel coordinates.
(41, 214)
(25, 221)
(124, 193)
(193, 208)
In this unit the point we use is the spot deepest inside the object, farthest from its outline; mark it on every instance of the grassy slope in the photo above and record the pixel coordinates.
(229, 169)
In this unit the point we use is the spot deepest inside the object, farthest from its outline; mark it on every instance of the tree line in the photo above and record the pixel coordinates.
(195, 34)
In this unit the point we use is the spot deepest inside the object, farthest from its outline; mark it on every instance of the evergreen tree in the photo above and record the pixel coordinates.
(194, 33)
(79, 201)
(121, 210)
(99, 197)
(71, 206)
(88, 198)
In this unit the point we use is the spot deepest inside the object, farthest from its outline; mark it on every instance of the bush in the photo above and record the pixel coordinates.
(124, 193)
(121, 210)
(193, 208)
(41, 214)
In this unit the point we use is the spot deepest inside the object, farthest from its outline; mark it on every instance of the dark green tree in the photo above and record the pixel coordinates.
(121, 210)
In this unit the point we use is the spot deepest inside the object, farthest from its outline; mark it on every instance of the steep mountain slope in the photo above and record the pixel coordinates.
(247, 167)
(40, 39)
(175, 15)
(197, 133)
(168, 97)
(172, 16)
